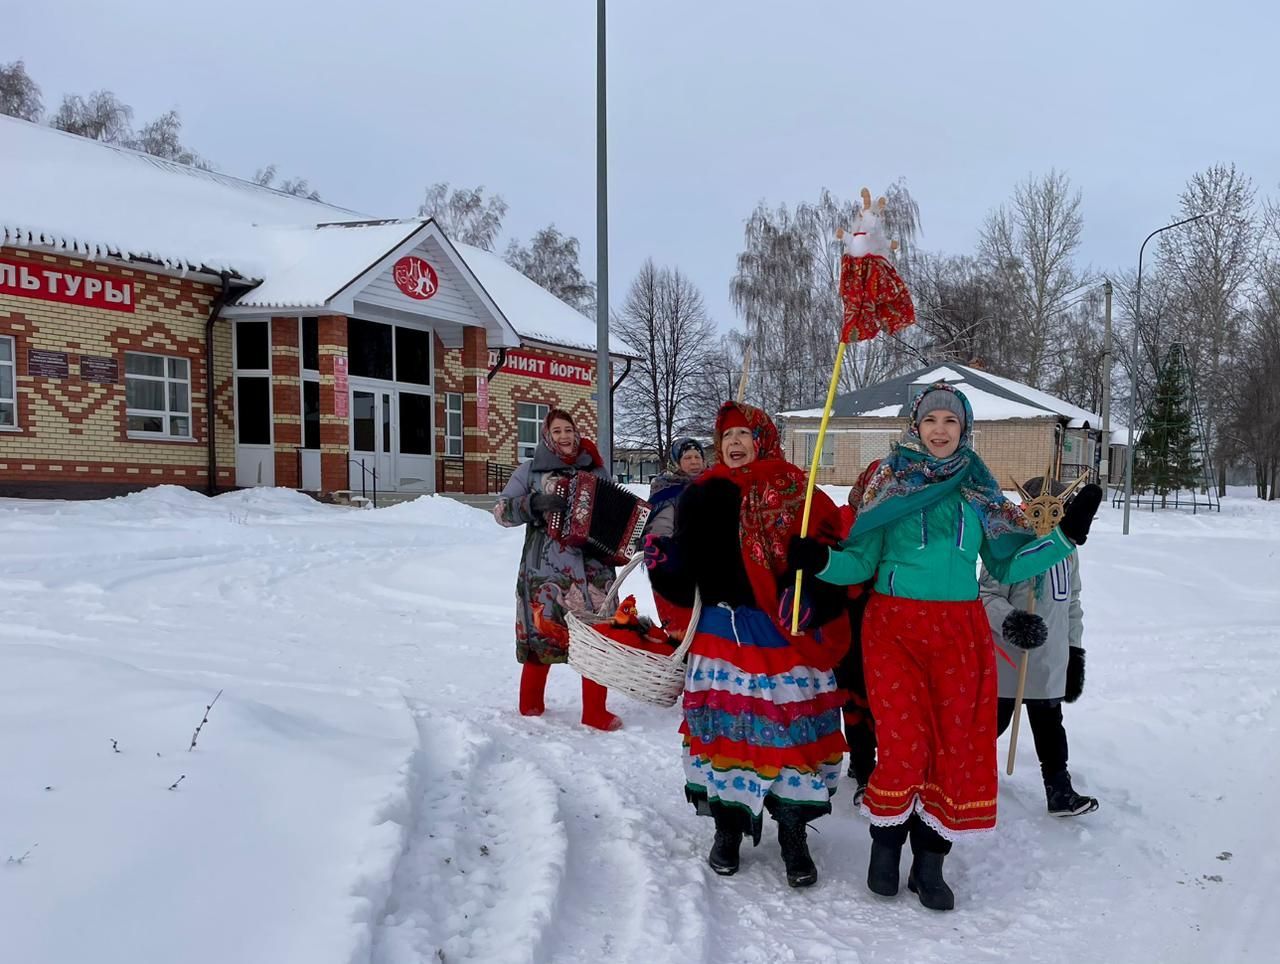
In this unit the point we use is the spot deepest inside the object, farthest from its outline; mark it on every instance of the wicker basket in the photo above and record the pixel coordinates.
(639, 674)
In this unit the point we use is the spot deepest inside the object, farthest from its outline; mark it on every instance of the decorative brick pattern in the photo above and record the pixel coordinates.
(506, 390)
(71, 429)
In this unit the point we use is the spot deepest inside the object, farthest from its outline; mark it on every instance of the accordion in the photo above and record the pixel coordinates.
(602, 518)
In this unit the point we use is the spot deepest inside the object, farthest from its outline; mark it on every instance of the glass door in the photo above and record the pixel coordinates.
(372, 440)
(415, 437)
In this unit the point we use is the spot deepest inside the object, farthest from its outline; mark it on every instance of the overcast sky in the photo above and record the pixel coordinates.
(713, 105)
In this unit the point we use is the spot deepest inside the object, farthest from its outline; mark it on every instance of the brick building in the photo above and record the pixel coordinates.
(164, 324)
(1019, 431)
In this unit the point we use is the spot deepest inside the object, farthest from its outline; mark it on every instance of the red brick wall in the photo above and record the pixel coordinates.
(73, 432)
(334, 428)
(286, 400)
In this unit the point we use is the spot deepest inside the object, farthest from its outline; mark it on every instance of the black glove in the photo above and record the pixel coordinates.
(786, 603)
(1080, 512)
(544, 502)
(1024, 630)
(1075, 674)
(659, 551)
(807, 553)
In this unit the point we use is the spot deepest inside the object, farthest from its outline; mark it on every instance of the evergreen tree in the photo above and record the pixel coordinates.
(1165, 459)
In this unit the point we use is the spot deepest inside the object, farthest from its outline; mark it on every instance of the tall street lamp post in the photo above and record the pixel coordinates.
(604, 374)
(1133, 363)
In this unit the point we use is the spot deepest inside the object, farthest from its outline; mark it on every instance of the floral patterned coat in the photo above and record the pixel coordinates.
(552, 577)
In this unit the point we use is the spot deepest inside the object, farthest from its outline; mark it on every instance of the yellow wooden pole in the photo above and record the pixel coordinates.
(1022, 688)
(813, 477)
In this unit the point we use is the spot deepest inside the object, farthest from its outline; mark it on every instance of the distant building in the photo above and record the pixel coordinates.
(1018, 430)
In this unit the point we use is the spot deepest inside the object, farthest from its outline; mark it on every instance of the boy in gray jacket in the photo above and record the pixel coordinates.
(1055, 670)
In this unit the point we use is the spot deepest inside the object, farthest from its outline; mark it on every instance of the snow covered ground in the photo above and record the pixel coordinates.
(363, 789)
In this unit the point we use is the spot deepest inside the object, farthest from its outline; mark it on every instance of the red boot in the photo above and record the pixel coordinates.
(533, 683)
(593, 710)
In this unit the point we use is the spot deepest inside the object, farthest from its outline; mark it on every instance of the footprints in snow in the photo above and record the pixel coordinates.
(521, 849)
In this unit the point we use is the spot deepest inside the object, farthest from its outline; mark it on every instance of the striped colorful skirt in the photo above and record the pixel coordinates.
(760, 728)
(931, 685)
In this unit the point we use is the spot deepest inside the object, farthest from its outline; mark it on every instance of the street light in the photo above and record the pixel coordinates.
(1133, 361)
(604, 370)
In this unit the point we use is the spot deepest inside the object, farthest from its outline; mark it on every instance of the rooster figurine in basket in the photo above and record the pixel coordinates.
(631, 629)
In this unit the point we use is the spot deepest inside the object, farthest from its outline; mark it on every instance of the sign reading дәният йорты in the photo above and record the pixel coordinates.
(539, 366)
(65, 285)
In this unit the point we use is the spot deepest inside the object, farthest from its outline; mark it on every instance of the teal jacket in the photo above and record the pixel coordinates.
(934, 555)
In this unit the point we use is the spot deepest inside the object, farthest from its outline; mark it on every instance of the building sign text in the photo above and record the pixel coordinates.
(93, 369)
(48, 364)
(65, 285)
(539, 366)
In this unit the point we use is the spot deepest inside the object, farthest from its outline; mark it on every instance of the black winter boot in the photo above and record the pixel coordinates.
(1062, 798)
(724, 851)
(926, 880)
(801, 871)
(882, 871)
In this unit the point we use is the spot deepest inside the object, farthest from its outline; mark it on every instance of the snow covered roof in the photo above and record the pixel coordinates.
(311, 264)
(536, 313)
(87, 199)
(94, 200)
(992, 397)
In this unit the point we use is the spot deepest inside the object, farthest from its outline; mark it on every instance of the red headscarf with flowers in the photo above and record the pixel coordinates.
(581, 445)
(770, 514)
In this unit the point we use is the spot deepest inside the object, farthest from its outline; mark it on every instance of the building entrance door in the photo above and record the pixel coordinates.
(373, 438)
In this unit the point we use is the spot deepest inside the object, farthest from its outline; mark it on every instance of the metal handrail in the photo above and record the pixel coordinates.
(497, 475)
(364, 473)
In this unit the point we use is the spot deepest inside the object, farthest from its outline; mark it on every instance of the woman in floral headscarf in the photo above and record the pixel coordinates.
(928, 511)
(552, 578)
(761, 707)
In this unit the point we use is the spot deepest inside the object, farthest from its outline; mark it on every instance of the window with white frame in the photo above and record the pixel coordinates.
(828, 451)
(8, 383)
(157, 396)
(453, 423)
(529, 419)
(253, 383)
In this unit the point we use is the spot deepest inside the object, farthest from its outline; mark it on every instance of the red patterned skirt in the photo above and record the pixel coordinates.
(931, 684)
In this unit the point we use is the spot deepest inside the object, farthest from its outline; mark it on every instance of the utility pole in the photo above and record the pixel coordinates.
(604, 374)
(1104, 465)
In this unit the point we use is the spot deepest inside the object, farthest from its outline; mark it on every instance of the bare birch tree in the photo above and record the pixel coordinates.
(1029, 246)
(19, 95)
(1211, 262)
(786, 288)
(665, 321)
(100, 116)
(465, 214)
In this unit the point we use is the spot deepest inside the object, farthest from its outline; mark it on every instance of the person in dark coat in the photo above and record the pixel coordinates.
(687, 463)
(761, 705)
(552, 577)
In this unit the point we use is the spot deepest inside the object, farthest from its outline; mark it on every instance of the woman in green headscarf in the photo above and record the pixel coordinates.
(929, 511)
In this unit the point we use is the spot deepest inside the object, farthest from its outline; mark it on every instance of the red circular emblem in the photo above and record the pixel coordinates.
(415, 277)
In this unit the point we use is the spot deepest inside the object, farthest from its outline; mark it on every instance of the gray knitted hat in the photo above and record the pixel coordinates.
(940, 399)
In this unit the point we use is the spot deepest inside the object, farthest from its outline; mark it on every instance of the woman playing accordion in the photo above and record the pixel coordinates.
(553, 577)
